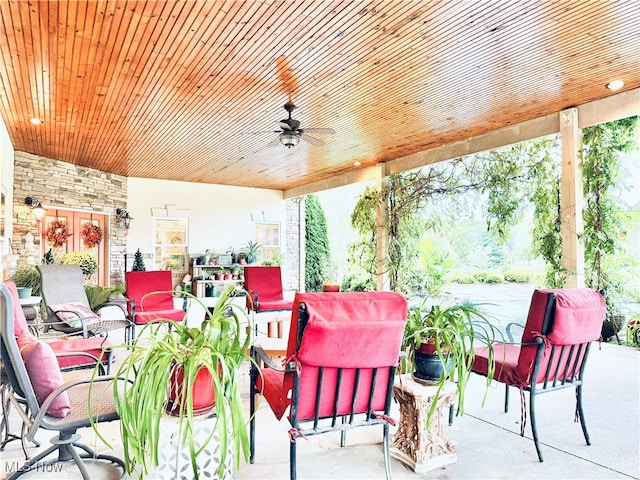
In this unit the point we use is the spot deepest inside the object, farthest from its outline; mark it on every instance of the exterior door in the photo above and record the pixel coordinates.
(66, 231)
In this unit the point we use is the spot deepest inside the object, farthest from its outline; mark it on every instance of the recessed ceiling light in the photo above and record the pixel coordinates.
(615, 85)
(356, 164)
(35, 121)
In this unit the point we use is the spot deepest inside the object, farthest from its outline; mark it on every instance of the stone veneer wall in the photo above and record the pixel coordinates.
(291, 269)
(67, 186)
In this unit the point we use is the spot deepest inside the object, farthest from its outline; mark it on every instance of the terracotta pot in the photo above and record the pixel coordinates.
(203, 393)
(330, 287)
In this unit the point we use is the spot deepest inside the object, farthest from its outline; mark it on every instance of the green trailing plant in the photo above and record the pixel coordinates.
(454, 331)
(99, 296)
(603, 226)
(218, 345)
(87, 262)
(317, 253)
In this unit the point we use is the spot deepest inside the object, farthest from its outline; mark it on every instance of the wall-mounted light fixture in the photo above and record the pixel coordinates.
(36, 207)
(124, 218)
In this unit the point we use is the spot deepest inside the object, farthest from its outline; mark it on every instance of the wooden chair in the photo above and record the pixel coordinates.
(341, 360)
(553, 352)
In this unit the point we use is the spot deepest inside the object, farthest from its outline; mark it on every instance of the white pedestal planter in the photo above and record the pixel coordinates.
(175, 461)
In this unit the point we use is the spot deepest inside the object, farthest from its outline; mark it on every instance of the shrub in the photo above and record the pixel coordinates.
(87, 262)
(461, 277)
(518, 275)
(487, 277)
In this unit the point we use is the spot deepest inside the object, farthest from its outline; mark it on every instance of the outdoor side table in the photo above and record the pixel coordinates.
(31, 308)
(413, 444)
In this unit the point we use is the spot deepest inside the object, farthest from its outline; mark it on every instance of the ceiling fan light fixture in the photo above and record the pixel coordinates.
(289, 139)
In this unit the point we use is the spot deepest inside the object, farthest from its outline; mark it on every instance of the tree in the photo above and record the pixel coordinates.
(317, 253)
(138, 262)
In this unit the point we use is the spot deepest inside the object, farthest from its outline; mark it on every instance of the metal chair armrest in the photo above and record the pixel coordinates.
(509, 327)
(260, 357)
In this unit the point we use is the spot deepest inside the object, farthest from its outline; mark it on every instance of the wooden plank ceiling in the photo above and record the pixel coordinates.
(193, 90)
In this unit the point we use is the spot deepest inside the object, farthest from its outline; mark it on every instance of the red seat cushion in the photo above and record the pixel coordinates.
(272, 305)
(93, 346)
(160, 316)
(152, 293)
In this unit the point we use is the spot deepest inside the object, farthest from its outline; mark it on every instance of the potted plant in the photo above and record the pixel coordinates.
(444, 338)
(27, 280)
(252, 251)
(87, 262)
(165, 362)
(100, 296)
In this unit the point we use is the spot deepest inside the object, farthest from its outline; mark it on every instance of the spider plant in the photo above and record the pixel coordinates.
(450, 333)
(220, 346)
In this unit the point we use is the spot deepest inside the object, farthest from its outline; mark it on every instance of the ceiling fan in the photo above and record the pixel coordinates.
(291, 133)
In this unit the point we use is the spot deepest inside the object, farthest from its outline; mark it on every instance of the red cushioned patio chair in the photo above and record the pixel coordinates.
(553, 352)
(342, 355)
(150, 295)
(264, 285)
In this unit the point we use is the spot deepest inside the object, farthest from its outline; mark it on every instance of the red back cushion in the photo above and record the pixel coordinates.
(44, 373)
(578, 317)
(19, 320)
(347, 330)
(140, 284)
(267, 281)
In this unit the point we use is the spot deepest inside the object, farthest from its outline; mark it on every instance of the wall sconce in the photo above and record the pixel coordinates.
(124, 218)
(36, 207)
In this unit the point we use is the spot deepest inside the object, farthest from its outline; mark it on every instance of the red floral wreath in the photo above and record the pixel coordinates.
(57, 234)
(91, 235)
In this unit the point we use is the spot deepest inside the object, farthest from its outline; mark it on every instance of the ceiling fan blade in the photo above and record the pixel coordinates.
(284, 125)
(311, 140)
(275, 142)
(318, 130)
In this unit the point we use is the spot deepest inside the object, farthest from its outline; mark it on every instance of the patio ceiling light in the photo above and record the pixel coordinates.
(289, 139)
(615, 85)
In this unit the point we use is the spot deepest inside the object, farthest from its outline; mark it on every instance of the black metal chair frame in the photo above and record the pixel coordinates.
(559, 374)
(347, 422)
(34, 414)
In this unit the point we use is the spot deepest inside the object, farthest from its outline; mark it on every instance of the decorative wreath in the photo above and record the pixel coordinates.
(57, 234)
(91, 235)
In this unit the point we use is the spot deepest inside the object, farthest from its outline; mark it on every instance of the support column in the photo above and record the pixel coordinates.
(382, 239)
(571, 198)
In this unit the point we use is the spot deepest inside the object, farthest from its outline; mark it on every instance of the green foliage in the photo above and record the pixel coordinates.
(219, 345)
(318, 257)
(27, 276)
(99, 296)
(462, 278)
(454, 330)
(138, 262)
(519, 275)
(603, 226)
(632, 331)
(487, 277)
(48, 258)
(88, 262)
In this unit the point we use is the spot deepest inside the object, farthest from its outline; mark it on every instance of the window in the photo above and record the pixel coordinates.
(268, 237)
(171, 241)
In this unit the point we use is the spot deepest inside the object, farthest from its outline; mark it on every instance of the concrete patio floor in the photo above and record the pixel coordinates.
(488, 440)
